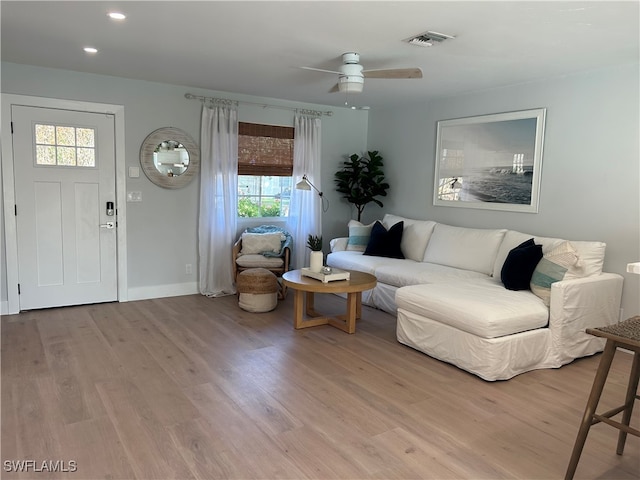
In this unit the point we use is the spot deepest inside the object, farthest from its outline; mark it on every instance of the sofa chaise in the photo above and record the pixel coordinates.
(451, 303)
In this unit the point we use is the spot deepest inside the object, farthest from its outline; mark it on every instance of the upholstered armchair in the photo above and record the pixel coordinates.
(266, 246)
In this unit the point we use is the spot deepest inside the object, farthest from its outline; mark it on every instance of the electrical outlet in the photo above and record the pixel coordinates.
(188, 270)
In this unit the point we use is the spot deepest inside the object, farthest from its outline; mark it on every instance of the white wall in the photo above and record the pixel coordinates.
(590, 173)
(162, 229)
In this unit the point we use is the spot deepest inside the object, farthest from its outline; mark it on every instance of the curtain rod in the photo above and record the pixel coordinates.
(224, 101)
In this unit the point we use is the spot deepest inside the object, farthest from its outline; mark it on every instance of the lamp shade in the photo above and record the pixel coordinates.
(303, 184)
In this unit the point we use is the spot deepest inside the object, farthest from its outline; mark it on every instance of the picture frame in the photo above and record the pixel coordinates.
(491, 162)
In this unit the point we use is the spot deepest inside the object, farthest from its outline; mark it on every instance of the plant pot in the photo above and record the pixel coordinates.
(315, 261)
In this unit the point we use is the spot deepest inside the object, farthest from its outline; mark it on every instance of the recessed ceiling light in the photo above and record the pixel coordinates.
(117, 15)
(90, 50)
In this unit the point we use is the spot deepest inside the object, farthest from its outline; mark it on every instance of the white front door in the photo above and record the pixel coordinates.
(64, 164)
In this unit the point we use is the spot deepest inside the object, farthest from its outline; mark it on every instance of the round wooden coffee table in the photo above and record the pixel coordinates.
(357, 283)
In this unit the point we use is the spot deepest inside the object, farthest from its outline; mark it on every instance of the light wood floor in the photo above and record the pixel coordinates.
(192, 387)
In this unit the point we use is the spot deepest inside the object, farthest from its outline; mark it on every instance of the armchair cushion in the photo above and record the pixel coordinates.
(253, 243)
(259, 261)
(286, 239)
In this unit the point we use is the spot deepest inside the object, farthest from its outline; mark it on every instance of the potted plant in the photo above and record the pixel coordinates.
(314, 242)
(361, 180)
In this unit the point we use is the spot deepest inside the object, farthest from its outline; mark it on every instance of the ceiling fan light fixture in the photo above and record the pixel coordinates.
(350, 84)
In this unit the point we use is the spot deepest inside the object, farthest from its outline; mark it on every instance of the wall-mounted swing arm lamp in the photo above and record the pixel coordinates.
(305, 184)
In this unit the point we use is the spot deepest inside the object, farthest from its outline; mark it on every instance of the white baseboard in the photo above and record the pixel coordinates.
(4, 308)
(159, 291)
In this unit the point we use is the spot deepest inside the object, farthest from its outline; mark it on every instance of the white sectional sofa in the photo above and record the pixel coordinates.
(451, 304)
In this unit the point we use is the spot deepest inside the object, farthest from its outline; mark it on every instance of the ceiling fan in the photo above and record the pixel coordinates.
(351, 74)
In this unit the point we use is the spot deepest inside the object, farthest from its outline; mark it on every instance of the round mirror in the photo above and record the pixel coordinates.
(169, 157)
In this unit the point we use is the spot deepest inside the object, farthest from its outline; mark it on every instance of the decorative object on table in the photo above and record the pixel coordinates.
(326, 274)
(258, 290)
(316, 259)
(361, 180)
(305, 184)
(492, 162)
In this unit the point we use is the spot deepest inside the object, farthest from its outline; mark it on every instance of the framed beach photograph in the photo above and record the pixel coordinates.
(492, 162)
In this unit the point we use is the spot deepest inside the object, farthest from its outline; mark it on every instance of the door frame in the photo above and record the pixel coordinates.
(8, 187)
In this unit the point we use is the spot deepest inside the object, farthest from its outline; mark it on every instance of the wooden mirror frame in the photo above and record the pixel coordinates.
(148, 147)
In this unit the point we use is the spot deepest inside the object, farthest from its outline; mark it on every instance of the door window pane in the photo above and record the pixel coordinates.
(65, 146)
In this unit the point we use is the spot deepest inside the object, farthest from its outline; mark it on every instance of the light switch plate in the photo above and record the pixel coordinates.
(134, 172)
(134, 197)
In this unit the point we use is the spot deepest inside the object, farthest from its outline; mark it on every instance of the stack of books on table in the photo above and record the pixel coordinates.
(327, 275)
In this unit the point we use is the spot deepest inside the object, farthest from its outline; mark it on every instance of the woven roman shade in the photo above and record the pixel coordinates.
(265, 150)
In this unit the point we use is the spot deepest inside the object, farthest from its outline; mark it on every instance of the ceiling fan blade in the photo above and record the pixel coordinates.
(320, 70)
(334, 89)
(394, 73)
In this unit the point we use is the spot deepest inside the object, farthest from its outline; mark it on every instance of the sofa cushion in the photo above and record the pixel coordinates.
(385, 243)
(591, 253)
(519, 266)
(467, 248)
(415, 236)
(357, 261)
(465, 306)
(553, 268)
(358, 236)
(407, 272)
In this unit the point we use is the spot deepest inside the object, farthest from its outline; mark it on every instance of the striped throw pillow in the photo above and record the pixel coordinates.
(552, 268)
(358, 236)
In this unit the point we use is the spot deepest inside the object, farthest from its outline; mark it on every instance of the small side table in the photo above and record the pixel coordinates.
(625, 334)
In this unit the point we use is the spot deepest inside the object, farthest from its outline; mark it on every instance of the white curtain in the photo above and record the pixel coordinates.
(218, 199)
(305, 210)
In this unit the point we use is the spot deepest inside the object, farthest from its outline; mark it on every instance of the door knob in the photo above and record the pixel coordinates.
(108, 225)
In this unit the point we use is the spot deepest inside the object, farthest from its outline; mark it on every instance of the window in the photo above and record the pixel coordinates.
(265, 168)
(65, 146)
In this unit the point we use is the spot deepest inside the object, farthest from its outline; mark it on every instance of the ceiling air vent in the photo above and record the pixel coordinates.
(428, 39)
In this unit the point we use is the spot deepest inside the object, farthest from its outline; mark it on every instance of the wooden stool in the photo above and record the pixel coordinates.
(626, 335)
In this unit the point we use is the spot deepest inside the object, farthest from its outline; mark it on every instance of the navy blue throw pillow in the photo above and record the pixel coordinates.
(519, 266)
(383, 243)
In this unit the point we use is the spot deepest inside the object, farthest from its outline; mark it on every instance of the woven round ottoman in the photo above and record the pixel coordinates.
(258, 289)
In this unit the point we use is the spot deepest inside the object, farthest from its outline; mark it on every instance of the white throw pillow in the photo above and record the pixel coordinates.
(467, 248)
(415, 236)
(591, 259)
(261, 242)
